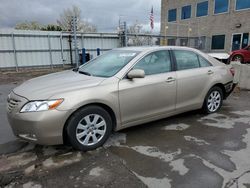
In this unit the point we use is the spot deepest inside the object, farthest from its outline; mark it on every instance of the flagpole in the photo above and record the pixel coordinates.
(151, 22)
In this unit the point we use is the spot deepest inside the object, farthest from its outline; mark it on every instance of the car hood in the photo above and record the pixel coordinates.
(44, 87)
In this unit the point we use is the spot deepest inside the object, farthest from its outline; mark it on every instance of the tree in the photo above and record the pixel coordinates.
(36, 26)
(28, 26)
(65, 21)
(139, 36)
(51, 27)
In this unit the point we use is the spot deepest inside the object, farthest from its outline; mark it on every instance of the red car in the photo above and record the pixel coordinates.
(242, 55)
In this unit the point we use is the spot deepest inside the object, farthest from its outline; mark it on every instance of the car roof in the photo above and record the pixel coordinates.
(146, 49)
(150, 48)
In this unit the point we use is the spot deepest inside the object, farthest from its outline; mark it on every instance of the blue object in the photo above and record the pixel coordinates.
(98, 51)
(83, 56)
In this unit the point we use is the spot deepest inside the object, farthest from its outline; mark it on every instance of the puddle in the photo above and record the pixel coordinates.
(240, 159)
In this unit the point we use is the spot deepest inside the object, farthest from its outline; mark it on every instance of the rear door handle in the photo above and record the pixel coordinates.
(210, 72)
(170, 79)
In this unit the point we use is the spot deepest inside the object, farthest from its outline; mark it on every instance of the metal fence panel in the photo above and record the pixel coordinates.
(20, 48)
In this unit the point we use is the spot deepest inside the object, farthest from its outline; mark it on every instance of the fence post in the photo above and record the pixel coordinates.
(14, 51)
(50, 53)
(61, 45)
(83, 56)
(82, 40)
(98, 51)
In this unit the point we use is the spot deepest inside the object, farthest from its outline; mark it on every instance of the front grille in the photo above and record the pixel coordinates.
(12, 104)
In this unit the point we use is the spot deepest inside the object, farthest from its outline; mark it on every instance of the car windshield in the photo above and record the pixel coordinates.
(108, 64)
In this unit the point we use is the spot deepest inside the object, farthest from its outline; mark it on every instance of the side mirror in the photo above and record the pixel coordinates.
(136, 73)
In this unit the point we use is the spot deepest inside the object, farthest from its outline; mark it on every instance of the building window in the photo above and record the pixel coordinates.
(202, 9)
(221, 6)
(242, 4)
(171, 42)
(172, 15)
(218, 42)
(186, 12)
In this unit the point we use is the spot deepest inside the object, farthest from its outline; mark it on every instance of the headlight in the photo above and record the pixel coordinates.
(37, 106)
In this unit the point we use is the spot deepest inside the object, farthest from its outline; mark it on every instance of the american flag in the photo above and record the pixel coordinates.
(152, 18)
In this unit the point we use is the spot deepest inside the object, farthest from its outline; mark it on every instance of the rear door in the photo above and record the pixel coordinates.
(148, 97)
(193, 74)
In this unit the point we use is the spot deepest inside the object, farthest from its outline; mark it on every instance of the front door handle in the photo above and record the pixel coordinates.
(170, 79)
(210, 72)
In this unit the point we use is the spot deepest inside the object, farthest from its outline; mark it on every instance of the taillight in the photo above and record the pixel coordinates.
(232, 71)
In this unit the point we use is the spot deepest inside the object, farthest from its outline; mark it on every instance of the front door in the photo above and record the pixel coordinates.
(148, 97)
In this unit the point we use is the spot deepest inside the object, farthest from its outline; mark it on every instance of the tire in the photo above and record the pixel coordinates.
(213, 100)
(238, 58)
(89, 128)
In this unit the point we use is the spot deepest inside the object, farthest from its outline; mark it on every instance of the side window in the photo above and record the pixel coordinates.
(186, 60)
(155, 63)
(203, 62)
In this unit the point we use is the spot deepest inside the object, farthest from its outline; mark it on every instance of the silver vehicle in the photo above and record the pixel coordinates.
(122, 88)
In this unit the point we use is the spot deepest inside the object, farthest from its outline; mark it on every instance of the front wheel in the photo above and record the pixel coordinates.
(89, 128)
(213, 100)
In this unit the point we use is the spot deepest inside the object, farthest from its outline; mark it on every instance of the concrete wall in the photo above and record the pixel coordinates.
(245, 77)
(205, 26)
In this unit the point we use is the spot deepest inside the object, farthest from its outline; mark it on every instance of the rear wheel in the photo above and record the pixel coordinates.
(89, 128)
(213, 100)
(238, 58)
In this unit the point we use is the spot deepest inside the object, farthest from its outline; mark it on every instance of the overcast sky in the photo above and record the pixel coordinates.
(102, 13)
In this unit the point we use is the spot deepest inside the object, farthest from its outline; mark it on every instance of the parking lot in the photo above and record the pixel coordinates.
(188, 150)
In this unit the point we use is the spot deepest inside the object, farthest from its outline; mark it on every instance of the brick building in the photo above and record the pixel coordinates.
(210, 25)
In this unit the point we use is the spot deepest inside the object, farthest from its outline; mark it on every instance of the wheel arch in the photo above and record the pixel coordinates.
(102, 105)
(220, 85)
(239, 54)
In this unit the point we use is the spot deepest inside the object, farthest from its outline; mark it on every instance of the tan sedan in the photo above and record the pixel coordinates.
(122, 88)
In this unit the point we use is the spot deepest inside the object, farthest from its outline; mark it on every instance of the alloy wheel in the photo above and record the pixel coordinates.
(91, 129)
(214, 101)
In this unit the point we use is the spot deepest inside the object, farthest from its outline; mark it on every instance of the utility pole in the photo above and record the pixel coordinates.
(123, 32)
(74, 29)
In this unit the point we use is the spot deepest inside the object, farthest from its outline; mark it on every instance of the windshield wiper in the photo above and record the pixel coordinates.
(86, 73)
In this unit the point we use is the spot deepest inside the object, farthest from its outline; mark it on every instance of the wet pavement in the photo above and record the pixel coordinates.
(188, 150)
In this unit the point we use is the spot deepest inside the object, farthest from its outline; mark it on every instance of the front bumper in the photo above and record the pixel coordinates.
(45, 128)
